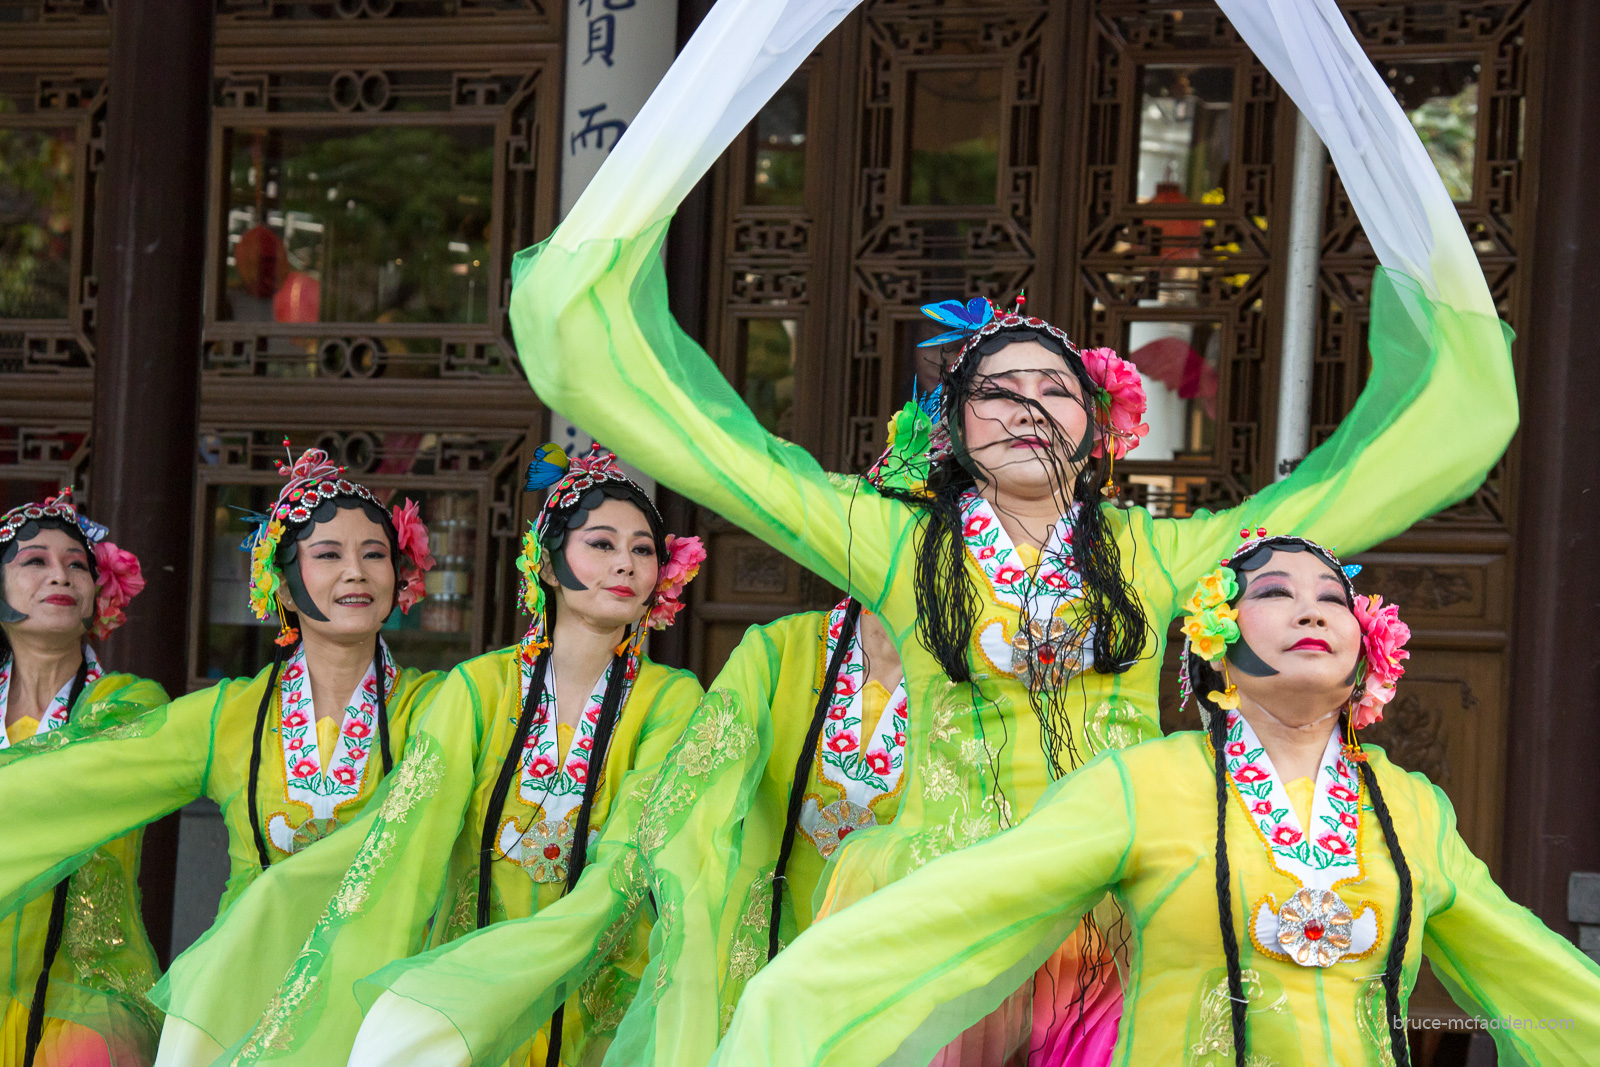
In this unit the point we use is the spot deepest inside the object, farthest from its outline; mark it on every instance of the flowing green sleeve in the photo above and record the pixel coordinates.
(266, 984)
(895, 977)
(1501, 963)
(599, 345)
(113, 768)
(1435, 415)
(478, 999)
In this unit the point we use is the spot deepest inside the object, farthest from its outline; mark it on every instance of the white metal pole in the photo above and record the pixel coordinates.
(1300, 298)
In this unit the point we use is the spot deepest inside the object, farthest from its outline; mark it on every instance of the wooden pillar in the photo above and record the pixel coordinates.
(150, 231)
(1552, 783)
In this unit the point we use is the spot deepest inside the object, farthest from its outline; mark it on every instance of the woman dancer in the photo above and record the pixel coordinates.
(288, 755)
(77, 960)
(1283, 886)
(526, 756)
(824, 694)
(1010, 669)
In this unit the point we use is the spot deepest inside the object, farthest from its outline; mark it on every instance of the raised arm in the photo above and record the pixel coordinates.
(117, 765)
(1440, 405)
(589, 309)
(904, 971)
(1500, 962)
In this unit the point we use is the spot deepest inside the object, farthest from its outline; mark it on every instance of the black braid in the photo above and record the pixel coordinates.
(1230, 939)
(802, 768)
(1402, 928)
(58, 913)
(383, 709)
(255, 760)
(502, 783)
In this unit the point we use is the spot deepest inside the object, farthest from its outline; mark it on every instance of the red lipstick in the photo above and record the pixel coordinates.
(1310, 642)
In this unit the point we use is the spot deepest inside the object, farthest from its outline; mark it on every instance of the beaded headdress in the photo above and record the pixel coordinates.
(116, 572)
(313, 480)
(568, 481)
(1211, 625)
(1118, 408)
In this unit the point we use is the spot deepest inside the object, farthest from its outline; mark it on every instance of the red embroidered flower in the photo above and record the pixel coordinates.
(1333, 843)
(593, 714)
(296, 744)
(1250, 773)
(845, 687)
(344, 775)
(986, 552)
(1339, 792)
(900, 739)
(842, 742)
(838, 712)
(1286, 836)
(586, 743)
(835, 629)
(1348, 818)
(976, 525)
(878, 760)
(1236, 749)
(369, 709)
(293, 671)
(294, 719)
(541, 767)
(304, 769)
(1055, 580)
(579, 771)
(357, 729)
(1008, 575)
(1261, 807)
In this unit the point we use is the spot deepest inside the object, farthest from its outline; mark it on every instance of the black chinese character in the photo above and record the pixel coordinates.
(598, 129)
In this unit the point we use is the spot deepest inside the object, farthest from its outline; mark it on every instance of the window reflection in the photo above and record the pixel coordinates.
(1177, 362)
(954, 126)
(1185, 122)
(386, 224)
(37, 168)
(778, 149)
(1440, 97)
(766, 371)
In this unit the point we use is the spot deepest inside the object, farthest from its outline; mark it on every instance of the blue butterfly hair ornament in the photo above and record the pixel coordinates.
(1351, 569)
(256, 521)
(549, 466)
(966, 318)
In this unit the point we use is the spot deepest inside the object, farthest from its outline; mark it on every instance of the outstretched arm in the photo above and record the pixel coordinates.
(913, 965)
(1440, 405)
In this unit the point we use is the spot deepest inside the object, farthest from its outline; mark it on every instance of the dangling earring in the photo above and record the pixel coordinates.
(287, 635)
(1228, 699)
(1352, 747)
(1111, 488)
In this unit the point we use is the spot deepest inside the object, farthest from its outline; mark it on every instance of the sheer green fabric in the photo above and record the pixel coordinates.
(105, 965)
(710, 837)
(894, 977)
(405, 877)
(975, 757)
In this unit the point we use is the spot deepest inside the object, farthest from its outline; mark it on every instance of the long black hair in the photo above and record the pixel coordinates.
(1203, 679)
(556, 524)
(1109, 615)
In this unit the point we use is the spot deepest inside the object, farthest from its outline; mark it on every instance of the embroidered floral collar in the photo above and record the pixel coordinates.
(862, 770)
(1314, 926)
(60, 709)
(1055, 583)
(327, 789)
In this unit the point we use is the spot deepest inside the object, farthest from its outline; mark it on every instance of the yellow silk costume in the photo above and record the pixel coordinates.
(405, 880)
(96, 999)
(895, 976)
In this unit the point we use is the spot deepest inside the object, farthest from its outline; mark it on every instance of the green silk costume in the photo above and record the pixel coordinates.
(105, 965)
(893, 978)
(710, 865)
(103, 784)
(404, 879)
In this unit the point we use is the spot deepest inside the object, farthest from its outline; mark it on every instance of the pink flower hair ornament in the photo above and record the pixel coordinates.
(684, 556)
(1383, 639)
(416, 559)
